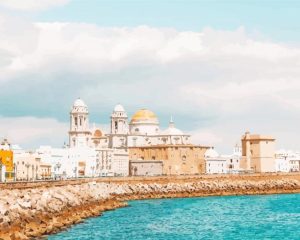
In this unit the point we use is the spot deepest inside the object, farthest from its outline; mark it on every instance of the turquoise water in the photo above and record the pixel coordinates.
(234, 217)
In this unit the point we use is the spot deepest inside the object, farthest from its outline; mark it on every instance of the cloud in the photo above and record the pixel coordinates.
(216, 84)
(32, 5)
(32, 131)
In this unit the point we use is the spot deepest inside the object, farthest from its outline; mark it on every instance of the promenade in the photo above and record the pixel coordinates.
(34, 209)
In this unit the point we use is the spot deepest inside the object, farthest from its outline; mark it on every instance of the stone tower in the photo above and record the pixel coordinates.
(79, 134)
(119, 121)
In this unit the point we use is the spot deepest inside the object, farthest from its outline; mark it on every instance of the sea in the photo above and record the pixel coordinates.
(229, 217)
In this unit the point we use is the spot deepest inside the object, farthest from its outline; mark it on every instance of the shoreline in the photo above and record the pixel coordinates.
(81, 201)
(120, 203)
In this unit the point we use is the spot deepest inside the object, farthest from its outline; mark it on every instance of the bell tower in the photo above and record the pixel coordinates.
(79, 134)
(119, 121)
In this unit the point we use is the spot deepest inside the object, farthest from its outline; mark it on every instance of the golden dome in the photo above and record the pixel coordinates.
(97, 133)
(144, 114)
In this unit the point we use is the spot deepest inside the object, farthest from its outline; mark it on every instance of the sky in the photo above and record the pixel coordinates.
(220, 68)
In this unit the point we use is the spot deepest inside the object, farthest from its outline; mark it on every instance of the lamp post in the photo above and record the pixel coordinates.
(32, 172)
(93, 169)
(15, 172)
(36, 172)
(27, 165)
(58, 165)
(75, 172)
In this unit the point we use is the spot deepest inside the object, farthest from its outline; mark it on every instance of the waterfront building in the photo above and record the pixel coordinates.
(69, 162)
(92, 153)
(29, 166)
(287, 161)
(282, 161)
(258, 153)
(214, 163)
(234, 160)
(177, 159)
(145, 141)
(97, 154)
(6, 161)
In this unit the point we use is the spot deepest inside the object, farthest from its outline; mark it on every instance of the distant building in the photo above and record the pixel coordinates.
(97, 154)
(221, 164)
(29, 166)
(177, 159)
(214, 163)
(234, 160)
(258, 153)
(287, 161)
(6, 162)
(93, 153)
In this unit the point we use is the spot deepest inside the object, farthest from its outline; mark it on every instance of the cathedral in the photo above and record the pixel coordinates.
(142, 130)
(135, 146)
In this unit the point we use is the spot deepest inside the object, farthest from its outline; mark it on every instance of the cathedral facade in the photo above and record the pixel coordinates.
(137, 140)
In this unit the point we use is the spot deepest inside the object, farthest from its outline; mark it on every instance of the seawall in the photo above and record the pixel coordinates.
(30, 210)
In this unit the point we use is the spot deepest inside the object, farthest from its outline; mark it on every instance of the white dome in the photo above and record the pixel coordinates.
(172, 131)
(211, 153)
(119, 108)
(79, 103)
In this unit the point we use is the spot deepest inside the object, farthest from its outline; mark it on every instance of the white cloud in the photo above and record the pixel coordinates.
(205, 137)
(217, 83)
(32, 5)
(32, 131)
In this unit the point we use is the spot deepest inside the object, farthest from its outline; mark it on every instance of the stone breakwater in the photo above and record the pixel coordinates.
(34, 212)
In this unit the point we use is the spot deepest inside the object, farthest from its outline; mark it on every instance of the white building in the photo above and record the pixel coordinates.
(234, 160)
(29, 166)
(93, 153)
(104, 155)
(214, 163)
(287, 161)
(142, 130)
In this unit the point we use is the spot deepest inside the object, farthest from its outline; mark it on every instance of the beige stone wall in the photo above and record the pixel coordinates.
(177, 159)
(145, 168)
(258, 153)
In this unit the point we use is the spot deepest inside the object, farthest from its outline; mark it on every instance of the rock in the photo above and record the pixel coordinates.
(5, 236)
(3, 209)
(18, 236)
(23, 204)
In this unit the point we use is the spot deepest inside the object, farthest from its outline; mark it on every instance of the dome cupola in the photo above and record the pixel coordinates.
(79, 106)
(144, 122)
